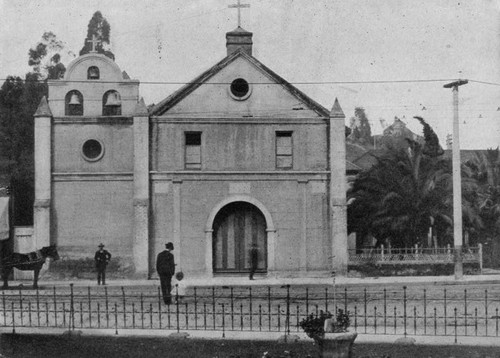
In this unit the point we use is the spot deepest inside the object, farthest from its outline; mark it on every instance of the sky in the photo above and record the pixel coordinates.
(391, 57)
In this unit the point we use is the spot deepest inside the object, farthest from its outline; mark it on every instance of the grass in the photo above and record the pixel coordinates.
(33, 346)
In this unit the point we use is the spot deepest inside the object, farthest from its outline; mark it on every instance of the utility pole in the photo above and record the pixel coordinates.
(457, 183)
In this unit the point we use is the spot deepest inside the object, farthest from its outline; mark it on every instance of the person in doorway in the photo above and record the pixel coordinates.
(254, 260)
(165, 266)
(101, 259)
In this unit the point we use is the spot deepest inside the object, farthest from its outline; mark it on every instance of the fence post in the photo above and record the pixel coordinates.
(465, 309)
(223, 322)
(4, 309)
(445, 312)
(13, 318)
(382, 254)
(159, 307)
(38, 307)
(287, 329)
(177, 306)
(55, 305)
(455, 313)
(486, 310)
(90, 310)
(21, 305)
(480, 258)
(404, 307)
(124, 309)
(250, 307)
(116, 318)
(72, 309)
(107, 306)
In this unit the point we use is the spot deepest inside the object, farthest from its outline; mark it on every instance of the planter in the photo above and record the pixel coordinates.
(337, 345)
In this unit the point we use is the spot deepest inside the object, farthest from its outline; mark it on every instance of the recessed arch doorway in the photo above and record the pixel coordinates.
(236, 227)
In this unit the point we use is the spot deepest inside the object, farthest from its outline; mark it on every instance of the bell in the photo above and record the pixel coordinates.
(74, 99)
(113, 99)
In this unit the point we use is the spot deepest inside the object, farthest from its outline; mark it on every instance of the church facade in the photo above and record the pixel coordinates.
(236, 158)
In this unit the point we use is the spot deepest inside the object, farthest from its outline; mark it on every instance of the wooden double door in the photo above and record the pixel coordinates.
(237, 227)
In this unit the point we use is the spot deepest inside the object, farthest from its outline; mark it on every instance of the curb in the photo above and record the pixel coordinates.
(257, 336)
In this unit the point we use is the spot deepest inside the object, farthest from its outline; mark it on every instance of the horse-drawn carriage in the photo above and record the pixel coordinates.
(32, 261)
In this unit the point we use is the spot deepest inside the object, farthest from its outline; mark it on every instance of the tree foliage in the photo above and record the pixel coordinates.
(100, 29)
(485, 168)
(406, 193)
(45, 57)
(18, 101)
(360, 127)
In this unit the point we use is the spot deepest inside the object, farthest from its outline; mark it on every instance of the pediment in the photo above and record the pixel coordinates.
(213, 94)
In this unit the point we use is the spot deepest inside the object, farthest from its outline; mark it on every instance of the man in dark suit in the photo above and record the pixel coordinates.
(165, 266)
(254, 260)
(101, 259)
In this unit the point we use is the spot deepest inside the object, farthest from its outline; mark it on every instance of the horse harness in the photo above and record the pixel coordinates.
(35, 257)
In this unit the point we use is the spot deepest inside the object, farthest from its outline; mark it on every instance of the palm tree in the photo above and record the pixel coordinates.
(485, 169)
(405, 194)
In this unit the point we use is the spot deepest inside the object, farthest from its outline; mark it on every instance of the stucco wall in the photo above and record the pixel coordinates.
(227, 146)
(282, 198)
(111, 78)
(116, 136)
(85, 213)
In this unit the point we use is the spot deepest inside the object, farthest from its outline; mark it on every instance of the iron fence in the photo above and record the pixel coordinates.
(412, 255)
(398, 311)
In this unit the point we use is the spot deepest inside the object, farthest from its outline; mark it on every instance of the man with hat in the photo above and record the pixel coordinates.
(101, 258)
(165, 266)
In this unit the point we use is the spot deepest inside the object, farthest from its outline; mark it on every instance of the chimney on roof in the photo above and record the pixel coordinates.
(239, 39)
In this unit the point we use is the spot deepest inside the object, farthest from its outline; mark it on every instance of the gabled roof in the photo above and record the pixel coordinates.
(160, 108)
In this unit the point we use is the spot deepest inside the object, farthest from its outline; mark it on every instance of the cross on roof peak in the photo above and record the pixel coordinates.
(239, 6)
(94, 42)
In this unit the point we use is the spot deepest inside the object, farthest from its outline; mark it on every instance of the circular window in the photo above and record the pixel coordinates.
(240, 89)
(92, 150)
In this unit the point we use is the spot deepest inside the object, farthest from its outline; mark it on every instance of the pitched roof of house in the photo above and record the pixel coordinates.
(177, 96)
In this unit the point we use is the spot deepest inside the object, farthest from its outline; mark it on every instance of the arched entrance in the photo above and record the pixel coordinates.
(236, 227)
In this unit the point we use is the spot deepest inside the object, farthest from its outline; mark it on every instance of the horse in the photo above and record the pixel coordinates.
(32, 261)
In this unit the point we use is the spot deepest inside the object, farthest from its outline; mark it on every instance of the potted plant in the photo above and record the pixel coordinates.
(330, 333)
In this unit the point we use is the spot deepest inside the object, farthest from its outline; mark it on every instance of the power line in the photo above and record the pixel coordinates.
(485, 83)
(268, 83)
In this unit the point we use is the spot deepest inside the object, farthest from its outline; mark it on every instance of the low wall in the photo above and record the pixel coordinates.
(425, 269)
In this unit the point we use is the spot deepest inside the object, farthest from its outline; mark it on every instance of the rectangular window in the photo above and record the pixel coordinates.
(284, 152)
(192, 153)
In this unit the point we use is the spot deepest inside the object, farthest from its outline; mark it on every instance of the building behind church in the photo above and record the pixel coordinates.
(236, 157)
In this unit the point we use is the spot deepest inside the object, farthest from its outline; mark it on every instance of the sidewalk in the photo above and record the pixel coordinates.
(203, 281)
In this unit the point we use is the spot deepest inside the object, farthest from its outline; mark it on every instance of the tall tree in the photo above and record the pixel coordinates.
(99, 29)
(485, 168)
(360, 127)
(45, 57)
(405, 194)
(19, 100)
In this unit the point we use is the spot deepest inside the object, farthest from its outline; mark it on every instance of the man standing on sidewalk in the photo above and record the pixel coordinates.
(254, 260)
(101, 259)
(165, 266)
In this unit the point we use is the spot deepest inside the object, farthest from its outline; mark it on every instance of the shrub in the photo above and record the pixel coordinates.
(313, 325)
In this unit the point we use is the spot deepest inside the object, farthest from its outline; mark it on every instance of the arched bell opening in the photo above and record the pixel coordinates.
(111, 103)
(73, 103)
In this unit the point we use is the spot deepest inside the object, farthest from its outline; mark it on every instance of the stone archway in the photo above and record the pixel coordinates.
(232, 226)
(238, 226)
